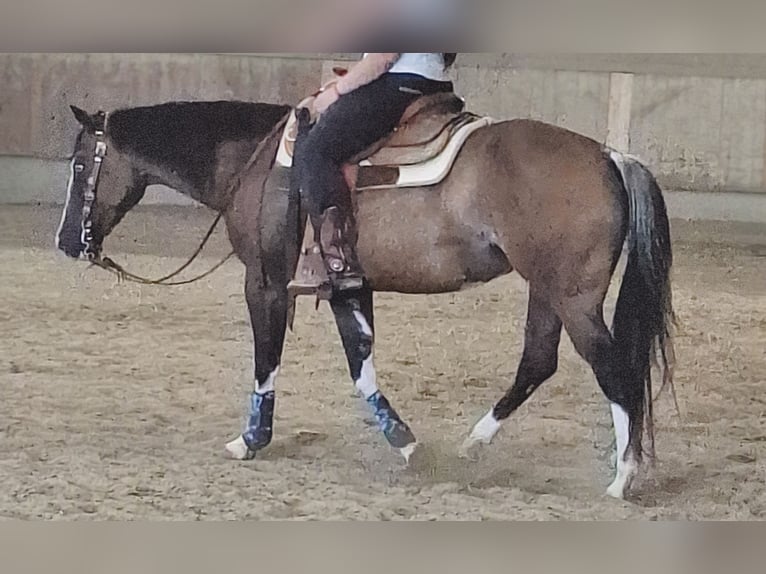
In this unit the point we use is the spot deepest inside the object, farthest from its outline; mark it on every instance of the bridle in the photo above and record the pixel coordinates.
(93, 255)
(89, 196)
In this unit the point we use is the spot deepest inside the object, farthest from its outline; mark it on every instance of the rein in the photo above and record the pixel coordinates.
(110, 265)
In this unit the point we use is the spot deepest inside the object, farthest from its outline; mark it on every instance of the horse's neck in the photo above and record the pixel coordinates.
(213, 189)
(231, 158)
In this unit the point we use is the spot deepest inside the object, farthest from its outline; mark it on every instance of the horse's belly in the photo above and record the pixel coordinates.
(409, 244)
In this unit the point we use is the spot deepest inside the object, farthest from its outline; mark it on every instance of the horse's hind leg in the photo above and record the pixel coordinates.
(595, 344)
(267, 305)
(354, 318)
(538, 363)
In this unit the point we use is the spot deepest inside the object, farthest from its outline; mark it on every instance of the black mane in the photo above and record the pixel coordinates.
(183, 136)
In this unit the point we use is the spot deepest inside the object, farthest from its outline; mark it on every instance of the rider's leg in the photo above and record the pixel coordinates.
(353, 123)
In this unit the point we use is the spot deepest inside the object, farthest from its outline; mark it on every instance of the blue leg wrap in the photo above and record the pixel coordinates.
(259, 424)
(394, 428)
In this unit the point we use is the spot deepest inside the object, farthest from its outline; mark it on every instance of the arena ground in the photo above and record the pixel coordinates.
(117, 399)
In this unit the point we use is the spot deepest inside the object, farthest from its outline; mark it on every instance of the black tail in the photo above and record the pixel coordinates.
(644, 316)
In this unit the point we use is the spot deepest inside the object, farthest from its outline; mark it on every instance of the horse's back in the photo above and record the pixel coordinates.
(529, 138)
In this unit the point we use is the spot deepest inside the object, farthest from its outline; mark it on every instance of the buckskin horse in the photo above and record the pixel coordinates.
(448, 201)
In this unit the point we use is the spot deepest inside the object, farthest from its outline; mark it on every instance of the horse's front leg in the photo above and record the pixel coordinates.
(354, 317)
(267, 305)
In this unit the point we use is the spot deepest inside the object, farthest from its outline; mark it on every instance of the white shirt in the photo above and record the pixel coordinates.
(428, 65)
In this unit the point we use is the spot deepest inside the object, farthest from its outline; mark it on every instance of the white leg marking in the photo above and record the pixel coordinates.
(483, 432)
(66, 203)
(626, 466)
(268, 385)
(367, 383)
(237, 449)
(621, 423)
(486, 429)
(408, 450)
(366, 329)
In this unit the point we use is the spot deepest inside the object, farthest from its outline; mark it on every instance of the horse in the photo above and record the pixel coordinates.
(555, 206)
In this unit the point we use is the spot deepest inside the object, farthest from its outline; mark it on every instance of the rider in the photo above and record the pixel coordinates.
(357, 110)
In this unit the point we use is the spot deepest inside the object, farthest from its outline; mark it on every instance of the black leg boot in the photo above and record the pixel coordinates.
(338, 242)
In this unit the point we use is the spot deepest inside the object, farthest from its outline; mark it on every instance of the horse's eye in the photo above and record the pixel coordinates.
(78, 167)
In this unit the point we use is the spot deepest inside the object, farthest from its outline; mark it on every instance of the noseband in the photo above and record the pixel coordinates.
(89, 196)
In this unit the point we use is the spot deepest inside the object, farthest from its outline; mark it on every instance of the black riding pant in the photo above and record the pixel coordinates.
(349, 126)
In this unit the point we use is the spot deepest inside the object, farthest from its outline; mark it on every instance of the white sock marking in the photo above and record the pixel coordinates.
(366, 329)
(621, 423)
(626, 469)
(268, 386)
(483, 432)
(237, 448)
(486, 429)
(367, 383)
(408, 450)
(66, 203)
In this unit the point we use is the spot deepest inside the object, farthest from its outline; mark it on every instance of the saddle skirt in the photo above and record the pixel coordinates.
(420, 151)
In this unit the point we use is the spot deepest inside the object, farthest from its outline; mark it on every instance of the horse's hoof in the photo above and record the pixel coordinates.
(470, 448)
(407, 451)
(238, 449)
(626, 474)
(619, 487)
(482, 434)
(616, 490)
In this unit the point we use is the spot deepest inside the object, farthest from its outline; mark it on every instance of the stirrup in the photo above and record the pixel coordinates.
(310, 275)
(328, 265)
(339, 253)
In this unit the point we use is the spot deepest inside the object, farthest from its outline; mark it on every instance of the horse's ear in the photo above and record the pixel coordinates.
(83, 117)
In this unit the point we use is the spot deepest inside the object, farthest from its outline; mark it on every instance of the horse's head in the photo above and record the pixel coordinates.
(103, 186)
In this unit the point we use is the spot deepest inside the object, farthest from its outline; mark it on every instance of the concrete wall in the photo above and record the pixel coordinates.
(37, 89)
(699, 121)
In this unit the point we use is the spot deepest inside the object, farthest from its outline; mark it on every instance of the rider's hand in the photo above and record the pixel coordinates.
(326, 98)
